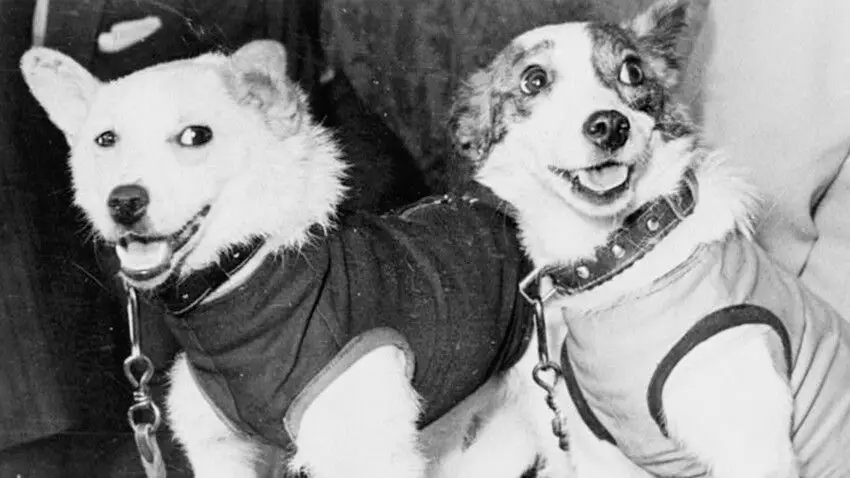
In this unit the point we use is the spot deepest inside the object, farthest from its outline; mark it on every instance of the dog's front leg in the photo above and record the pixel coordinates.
(729, 404)
(213, 448)
(363, 425)
(592, 457)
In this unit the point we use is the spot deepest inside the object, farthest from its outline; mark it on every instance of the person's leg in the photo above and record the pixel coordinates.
(826, 270)
(778, 102)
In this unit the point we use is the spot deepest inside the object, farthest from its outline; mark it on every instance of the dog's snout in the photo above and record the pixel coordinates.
(128, 203)
(608, 129)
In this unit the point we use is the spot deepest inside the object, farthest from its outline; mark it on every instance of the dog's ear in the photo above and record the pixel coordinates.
(470, 119)
(61, 85)
(667, 30)
(258, 79)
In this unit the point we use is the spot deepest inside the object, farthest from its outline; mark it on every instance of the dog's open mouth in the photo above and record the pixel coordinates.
(146, 257)
(602, 182)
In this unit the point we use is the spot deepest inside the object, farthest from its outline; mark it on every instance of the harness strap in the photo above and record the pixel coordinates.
(711, 325)
(714, 323)
(580, 401)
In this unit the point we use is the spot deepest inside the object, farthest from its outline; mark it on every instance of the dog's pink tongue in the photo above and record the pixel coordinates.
(604, 179)
(138, 257)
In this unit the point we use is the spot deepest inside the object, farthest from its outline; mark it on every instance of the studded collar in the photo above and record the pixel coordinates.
(640, 233)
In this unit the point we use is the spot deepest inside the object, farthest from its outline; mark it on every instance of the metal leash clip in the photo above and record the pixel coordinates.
(144, 415)
(545, 365)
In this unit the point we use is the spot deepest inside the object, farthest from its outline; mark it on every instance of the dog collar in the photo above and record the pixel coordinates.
(641, 231)
(181, 295)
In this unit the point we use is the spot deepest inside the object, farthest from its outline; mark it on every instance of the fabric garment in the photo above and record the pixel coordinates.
(773, 78)
(439, 281)
(615, 355)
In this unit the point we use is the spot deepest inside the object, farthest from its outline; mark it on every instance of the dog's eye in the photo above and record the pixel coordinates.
(533, 79)
(630, 72)
(107, 139)
(195, 136)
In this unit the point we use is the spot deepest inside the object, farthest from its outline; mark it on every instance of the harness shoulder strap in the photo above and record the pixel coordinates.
(711, 325)
(583, 408)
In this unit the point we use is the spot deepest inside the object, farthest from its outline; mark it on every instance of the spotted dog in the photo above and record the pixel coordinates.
(689, 352)
(332, 338)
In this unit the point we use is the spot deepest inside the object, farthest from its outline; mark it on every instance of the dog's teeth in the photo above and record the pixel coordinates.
(137, 256)
(603, 179)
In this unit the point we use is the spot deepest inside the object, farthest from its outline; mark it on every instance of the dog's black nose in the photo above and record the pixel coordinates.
(128, 203)
(607, 129)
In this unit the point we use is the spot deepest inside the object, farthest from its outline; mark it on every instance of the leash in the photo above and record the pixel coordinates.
(545, 366)
(143, 415)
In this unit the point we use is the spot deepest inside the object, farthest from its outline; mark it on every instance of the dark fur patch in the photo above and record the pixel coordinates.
(675, 122)
(521, 55)
(611, 46)
(491, 100)
(665, 39)
(658, 50)
(472, 430)
(534, 470)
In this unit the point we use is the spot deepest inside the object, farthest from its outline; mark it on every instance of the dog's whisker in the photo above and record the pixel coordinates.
(92, 277)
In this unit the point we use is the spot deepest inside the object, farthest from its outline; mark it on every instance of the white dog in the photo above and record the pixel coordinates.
(688, 348)
(311, 333)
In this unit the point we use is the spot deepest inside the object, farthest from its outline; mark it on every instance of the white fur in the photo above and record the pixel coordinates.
(364, 424)
(269, 171)
(212, 447)
(516, 428)
(727, 402)
(732, 412)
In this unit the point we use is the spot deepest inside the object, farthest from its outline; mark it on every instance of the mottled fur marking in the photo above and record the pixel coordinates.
(472, 430)
(521, 55)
